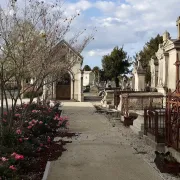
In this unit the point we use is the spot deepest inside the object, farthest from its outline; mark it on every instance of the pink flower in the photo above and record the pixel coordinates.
(34, 121)
(26, 139)
(48, 139)
(61, 119)
(40, 122)
(12, 167)
(19, 157)
(41, 144)
(39, 149)
(4, 159)
(30, 123)
(18, 131)
(20, 140)
(29, 127)
(56, 118)
(17, 115)
(35, 111)
(5, 113)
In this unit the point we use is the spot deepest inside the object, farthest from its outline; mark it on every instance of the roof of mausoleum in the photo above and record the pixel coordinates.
(70, 47)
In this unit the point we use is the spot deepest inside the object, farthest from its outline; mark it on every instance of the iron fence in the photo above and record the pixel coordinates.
(173, 121)
(154, 124)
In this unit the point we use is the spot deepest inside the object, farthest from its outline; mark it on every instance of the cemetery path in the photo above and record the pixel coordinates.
(99, 153)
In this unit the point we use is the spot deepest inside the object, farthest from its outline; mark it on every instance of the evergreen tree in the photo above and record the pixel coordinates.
(115, 64)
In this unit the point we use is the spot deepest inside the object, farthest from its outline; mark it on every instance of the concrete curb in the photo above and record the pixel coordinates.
(46, 172)
(48, 164)
(159, 173)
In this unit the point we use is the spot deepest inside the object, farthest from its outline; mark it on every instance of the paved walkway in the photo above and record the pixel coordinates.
(99, 153)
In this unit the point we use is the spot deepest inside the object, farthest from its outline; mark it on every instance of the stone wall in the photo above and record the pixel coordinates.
(139, 101)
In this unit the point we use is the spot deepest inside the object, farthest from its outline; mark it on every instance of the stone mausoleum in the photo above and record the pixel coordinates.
(163, 69)
(70, 87)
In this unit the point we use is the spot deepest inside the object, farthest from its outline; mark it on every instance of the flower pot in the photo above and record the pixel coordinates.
(166, 166)
(128, 121)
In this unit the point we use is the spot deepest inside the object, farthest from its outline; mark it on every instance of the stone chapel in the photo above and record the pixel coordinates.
(70, 87)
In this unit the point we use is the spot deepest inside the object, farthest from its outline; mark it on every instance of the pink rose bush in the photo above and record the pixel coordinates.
(30, 139)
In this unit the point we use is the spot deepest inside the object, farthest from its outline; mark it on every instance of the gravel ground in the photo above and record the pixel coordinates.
(103, 150)
(143, 150)
(99, 152)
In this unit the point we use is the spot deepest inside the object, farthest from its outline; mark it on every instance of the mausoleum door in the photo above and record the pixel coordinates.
(63, 88)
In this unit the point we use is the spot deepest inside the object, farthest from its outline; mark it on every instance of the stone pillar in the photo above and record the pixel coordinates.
(139, 76)
(54, 90)
(153, 74)
(163, 72)
(178, 26)
(156, 72)
(133, 82)
(165, 69)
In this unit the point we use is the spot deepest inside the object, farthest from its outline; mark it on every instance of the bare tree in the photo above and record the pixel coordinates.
(31, 47)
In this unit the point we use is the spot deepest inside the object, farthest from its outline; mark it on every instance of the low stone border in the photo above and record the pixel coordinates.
(155, 169)
(46, 172)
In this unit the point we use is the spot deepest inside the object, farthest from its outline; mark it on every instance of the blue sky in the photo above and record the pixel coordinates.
(130, 23)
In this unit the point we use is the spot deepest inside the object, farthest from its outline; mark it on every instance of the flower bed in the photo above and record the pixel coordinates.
(26, 148)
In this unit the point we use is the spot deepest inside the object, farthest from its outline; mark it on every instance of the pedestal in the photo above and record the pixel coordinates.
(138, 124)
(161, 90)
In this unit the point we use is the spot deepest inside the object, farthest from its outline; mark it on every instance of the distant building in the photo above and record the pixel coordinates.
(88, 78)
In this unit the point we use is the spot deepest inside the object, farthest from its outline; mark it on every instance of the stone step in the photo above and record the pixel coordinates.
(138, 125)
(137, 131)
(92, 98)
(157, 146)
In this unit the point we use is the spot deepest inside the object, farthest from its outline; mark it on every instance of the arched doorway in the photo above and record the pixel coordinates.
(63, 88)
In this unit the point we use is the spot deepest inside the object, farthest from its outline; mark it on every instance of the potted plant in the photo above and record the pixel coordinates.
(128, 120)
(166, 163)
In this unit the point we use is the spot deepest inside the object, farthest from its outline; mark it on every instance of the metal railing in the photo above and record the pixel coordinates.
(173, 121)
(154, 124)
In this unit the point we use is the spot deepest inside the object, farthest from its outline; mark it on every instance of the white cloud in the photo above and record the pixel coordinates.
(99, 52)
(129, 22)
(133, 22)
(105, 6)
(81, 5)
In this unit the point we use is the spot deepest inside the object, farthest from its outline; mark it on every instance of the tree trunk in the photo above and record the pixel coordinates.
(2, 103)
(117, 81)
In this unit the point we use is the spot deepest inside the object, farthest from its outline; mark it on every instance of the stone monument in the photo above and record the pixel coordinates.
(139, 76)
(154, 72)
